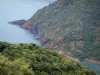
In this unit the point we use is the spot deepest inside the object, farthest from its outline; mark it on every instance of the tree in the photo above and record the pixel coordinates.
(16, 67)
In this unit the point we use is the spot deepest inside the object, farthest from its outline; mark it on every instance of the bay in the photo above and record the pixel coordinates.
(11, 10)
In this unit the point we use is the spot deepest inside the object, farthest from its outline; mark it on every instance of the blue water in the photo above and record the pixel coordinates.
(23, 9)
(11, 10)
(93, 67)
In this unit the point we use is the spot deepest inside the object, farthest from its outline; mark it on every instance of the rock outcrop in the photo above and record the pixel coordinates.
(17, 22)
(71, 25)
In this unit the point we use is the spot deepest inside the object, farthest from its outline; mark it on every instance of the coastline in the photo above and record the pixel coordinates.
(43, 40)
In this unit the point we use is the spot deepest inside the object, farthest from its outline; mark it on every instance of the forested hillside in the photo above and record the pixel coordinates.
(70, 25)
(29, 59)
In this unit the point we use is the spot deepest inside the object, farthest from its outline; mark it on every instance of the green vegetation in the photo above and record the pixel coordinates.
(16, 67)
(29, 59)
(77, 20)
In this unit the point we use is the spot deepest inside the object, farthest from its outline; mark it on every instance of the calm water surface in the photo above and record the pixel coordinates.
(93, 67)
(23, 9)
(11, 10)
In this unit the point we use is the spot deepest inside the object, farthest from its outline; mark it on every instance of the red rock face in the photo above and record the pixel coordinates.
(65, 54)
(52, 46)
(27, 25)
(60, 39)
(92, 61)
(74, 59)
(62, 52)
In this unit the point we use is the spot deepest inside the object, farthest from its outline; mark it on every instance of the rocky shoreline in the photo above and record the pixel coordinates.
(37, 30)
(39, 35)
(66, 54)
(92, 61)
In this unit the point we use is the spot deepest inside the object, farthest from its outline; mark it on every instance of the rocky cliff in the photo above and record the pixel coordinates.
(70, 25)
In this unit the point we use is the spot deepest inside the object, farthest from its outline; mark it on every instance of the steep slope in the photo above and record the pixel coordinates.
(70, 25)
(29, 59)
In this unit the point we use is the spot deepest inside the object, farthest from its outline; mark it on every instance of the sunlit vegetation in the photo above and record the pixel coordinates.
(29, 59)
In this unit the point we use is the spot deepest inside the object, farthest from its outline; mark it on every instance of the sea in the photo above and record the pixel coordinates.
(11, 10)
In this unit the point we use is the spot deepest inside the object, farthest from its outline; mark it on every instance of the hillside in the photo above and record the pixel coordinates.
(29, 59)
(70, 25)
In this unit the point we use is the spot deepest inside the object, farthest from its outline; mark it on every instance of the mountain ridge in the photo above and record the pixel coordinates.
(70, 25)
(73, 21)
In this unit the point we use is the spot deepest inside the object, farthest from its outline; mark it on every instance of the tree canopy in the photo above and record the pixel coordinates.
(29, 59)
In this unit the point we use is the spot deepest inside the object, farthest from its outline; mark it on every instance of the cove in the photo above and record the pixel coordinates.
(11, 10)
(18, 9)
